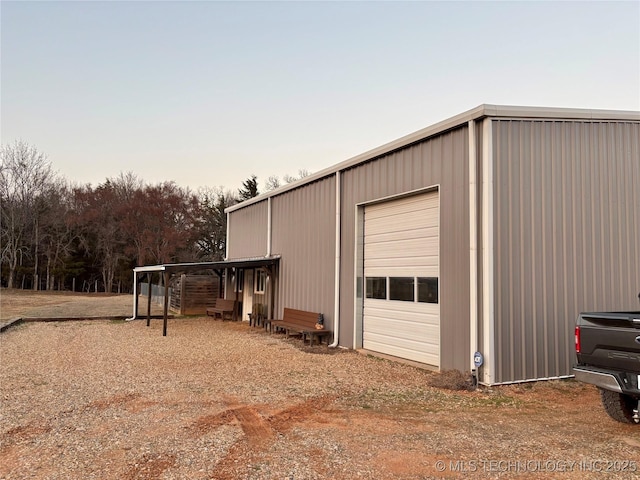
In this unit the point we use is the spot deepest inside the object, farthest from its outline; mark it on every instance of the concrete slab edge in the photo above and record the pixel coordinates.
(10, 323)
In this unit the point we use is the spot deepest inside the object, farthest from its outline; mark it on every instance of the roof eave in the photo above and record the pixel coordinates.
(481, 111)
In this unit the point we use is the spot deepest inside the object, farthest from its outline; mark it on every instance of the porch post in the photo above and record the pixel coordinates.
(149, 283)
(166, 303)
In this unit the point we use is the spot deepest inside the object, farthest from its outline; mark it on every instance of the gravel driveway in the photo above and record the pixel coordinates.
(214, 400)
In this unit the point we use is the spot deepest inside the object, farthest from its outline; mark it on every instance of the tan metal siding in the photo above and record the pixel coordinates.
(443, 161)
(304, 235)
(248, 231)
(567, 236)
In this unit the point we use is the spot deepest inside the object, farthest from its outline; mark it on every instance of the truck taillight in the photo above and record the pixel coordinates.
(577, 339)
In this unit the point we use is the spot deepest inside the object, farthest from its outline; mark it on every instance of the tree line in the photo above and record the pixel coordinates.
(56, 235)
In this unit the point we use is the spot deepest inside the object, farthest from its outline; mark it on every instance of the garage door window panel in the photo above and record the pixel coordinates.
(428, 289)
(377, 287)
(401, 288)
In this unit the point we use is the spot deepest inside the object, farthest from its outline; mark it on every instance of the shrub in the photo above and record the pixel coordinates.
(452, 380)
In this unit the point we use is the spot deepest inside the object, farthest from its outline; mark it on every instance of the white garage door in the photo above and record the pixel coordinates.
(401, 268)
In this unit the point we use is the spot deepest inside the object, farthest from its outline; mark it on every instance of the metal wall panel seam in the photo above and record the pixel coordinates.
(488, 301)
(473, 246)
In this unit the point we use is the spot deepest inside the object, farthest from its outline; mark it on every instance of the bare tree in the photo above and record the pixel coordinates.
(58, 234)
(96, 217)
(272, 183)
(25, 176)
(127, 190)
(289, 178)
(303, 172)
(212, 236)
(125, 223)
(170, 217)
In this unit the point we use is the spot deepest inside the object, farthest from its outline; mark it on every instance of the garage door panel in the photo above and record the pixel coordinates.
(383, 235)
(424, 333)
(417, 345)
(401, 239)
(391, 244)
(406, 321)
(407, 205)
(412, 256)
(395, 307)
(405, 248)
(431, 261)
(403, 324)
(401, 222)
(403, 272)
(388, 268)
(403, 262)
(401, 351)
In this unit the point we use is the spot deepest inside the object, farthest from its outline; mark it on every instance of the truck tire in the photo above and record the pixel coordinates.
(618, 406)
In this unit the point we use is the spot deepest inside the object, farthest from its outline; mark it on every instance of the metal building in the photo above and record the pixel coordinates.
(487, 232)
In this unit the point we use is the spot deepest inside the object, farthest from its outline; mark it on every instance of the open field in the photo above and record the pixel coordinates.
(27, 303)
(111, 399)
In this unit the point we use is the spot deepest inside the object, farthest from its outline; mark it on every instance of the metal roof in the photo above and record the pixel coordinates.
(482, 111)
(252, 262)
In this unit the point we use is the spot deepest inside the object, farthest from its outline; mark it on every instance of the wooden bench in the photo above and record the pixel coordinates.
(300, 322)
(223, 308)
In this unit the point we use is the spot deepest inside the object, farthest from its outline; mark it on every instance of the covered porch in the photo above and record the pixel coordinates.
(240, 279)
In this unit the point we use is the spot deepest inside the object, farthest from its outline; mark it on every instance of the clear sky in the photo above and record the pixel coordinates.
(207, 93)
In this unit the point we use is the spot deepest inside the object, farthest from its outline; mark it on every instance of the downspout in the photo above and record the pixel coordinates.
(226, 241)
(336, 311)
(270, 284)
(473, 246)
(135, 297)
(226, 257)
(268, 227)
(488, 312)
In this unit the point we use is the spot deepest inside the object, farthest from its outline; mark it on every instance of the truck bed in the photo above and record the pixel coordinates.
(610, 340)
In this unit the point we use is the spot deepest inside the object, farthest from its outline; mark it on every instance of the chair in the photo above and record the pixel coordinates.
(256, 317)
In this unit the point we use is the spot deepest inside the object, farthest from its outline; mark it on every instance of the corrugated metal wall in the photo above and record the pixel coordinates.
(248, 231)
(303, 233)
(567, 236)
(443, 161)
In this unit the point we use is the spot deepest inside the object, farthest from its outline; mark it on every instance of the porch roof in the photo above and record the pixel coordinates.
(169, 268)
(251, 262)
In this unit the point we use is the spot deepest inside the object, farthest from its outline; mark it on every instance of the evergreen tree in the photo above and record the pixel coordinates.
(249, 189)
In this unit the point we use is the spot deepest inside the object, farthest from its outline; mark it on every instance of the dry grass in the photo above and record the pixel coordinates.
(53, 304)
(453, 380)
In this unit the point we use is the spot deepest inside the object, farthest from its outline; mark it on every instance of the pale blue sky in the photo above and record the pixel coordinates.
(207, 93)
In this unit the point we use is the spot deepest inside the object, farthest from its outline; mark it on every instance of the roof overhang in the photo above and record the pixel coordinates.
(253, 262)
